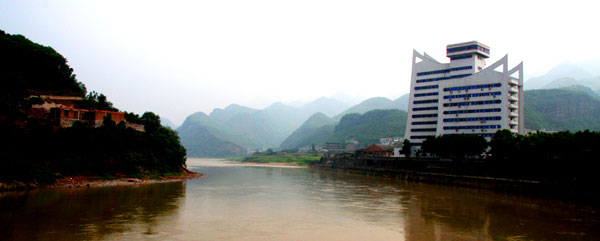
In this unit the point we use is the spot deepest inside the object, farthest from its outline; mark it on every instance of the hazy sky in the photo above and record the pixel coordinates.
(179, 57)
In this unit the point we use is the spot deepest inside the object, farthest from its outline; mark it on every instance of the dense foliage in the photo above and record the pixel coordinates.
(30, 66)
(565, 158)
(36, 149)
(39, 152)
(456, 147)
(561, 110)
(96, 101)
(561, 155)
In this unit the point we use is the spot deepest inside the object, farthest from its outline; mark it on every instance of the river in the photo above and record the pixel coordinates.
(239, 202)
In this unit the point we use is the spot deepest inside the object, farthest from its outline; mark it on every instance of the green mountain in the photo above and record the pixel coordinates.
(249, 128)
(376, 103)
(369, 127)
(583, 89)
(309, 131)
(366, 128)
(561, 109)
(230, 111)
(402, 102)
(200, 142)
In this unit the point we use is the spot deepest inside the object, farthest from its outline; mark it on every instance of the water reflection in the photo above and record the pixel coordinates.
(430, 212)
(262, 203)
(84, 214)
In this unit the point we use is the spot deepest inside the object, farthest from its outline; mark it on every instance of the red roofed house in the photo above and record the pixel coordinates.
(376, 151)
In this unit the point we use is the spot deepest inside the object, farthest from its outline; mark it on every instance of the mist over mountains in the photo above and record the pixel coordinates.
(565, 98)
(239, 128)
(568, 74)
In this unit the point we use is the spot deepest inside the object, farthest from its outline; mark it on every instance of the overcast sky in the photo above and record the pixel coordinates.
(179, 57)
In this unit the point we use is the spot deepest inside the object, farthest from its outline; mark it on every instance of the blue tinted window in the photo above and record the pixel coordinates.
(425, 101)
(427, 87)
(472, 127)
(425, 108)
(426, 94)
(442, 71)
(425, 116)
(485, 102)
(424, 123)
(470, 47)
(472, 111)
(461, 57)
(423, 129)
(443, 78)
(473, 95)
(487, 118)
(469, 87)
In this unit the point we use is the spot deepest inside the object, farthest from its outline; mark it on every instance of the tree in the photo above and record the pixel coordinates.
(503, 144)
(30, 66)
(150, 121)
(97, 101)
(406, 148)
(456, 147)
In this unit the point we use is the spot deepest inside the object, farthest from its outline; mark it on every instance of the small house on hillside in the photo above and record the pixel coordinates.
(62, 109)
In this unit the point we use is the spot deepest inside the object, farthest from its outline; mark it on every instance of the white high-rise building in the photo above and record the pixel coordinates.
(463, 96)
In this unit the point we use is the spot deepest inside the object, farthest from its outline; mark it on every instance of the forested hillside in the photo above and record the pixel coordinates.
(561, 109)
(36, 149)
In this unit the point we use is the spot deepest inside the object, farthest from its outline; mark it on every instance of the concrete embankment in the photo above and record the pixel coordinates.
(443, 172)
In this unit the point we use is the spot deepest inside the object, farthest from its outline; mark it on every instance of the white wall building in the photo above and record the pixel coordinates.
(464, 96)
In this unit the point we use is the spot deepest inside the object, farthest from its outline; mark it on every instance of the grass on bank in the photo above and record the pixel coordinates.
(303, 159)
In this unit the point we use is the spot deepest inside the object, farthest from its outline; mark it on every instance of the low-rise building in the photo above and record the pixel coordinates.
(376, 150)
(62, 109)
(334, 148)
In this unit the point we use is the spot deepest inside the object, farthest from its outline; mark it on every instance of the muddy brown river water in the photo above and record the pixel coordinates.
(240, 202)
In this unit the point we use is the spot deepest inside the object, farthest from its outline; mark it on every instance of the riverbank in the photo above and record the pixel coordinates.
(281, 159)
(272, 164)
(95, 181)
(477, 175)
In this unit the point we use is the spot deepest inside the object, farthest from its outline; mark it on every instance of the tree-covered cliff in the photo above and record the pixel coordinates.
(36, 149)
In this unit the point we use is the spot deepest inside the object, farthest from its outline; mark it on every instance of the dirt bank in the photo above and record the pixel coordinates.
(93, 181)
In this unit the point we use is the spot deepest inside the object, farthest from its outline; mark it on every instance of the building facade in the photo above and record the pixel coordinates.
(62, 109)
(464, 96)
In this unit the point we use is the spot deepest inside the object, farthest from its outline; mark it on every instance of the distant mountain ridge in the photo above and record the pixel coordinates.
(367, 128)
(250, 128)
(308, 131)
(376, 103)
(561, 71)
(567, 74)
